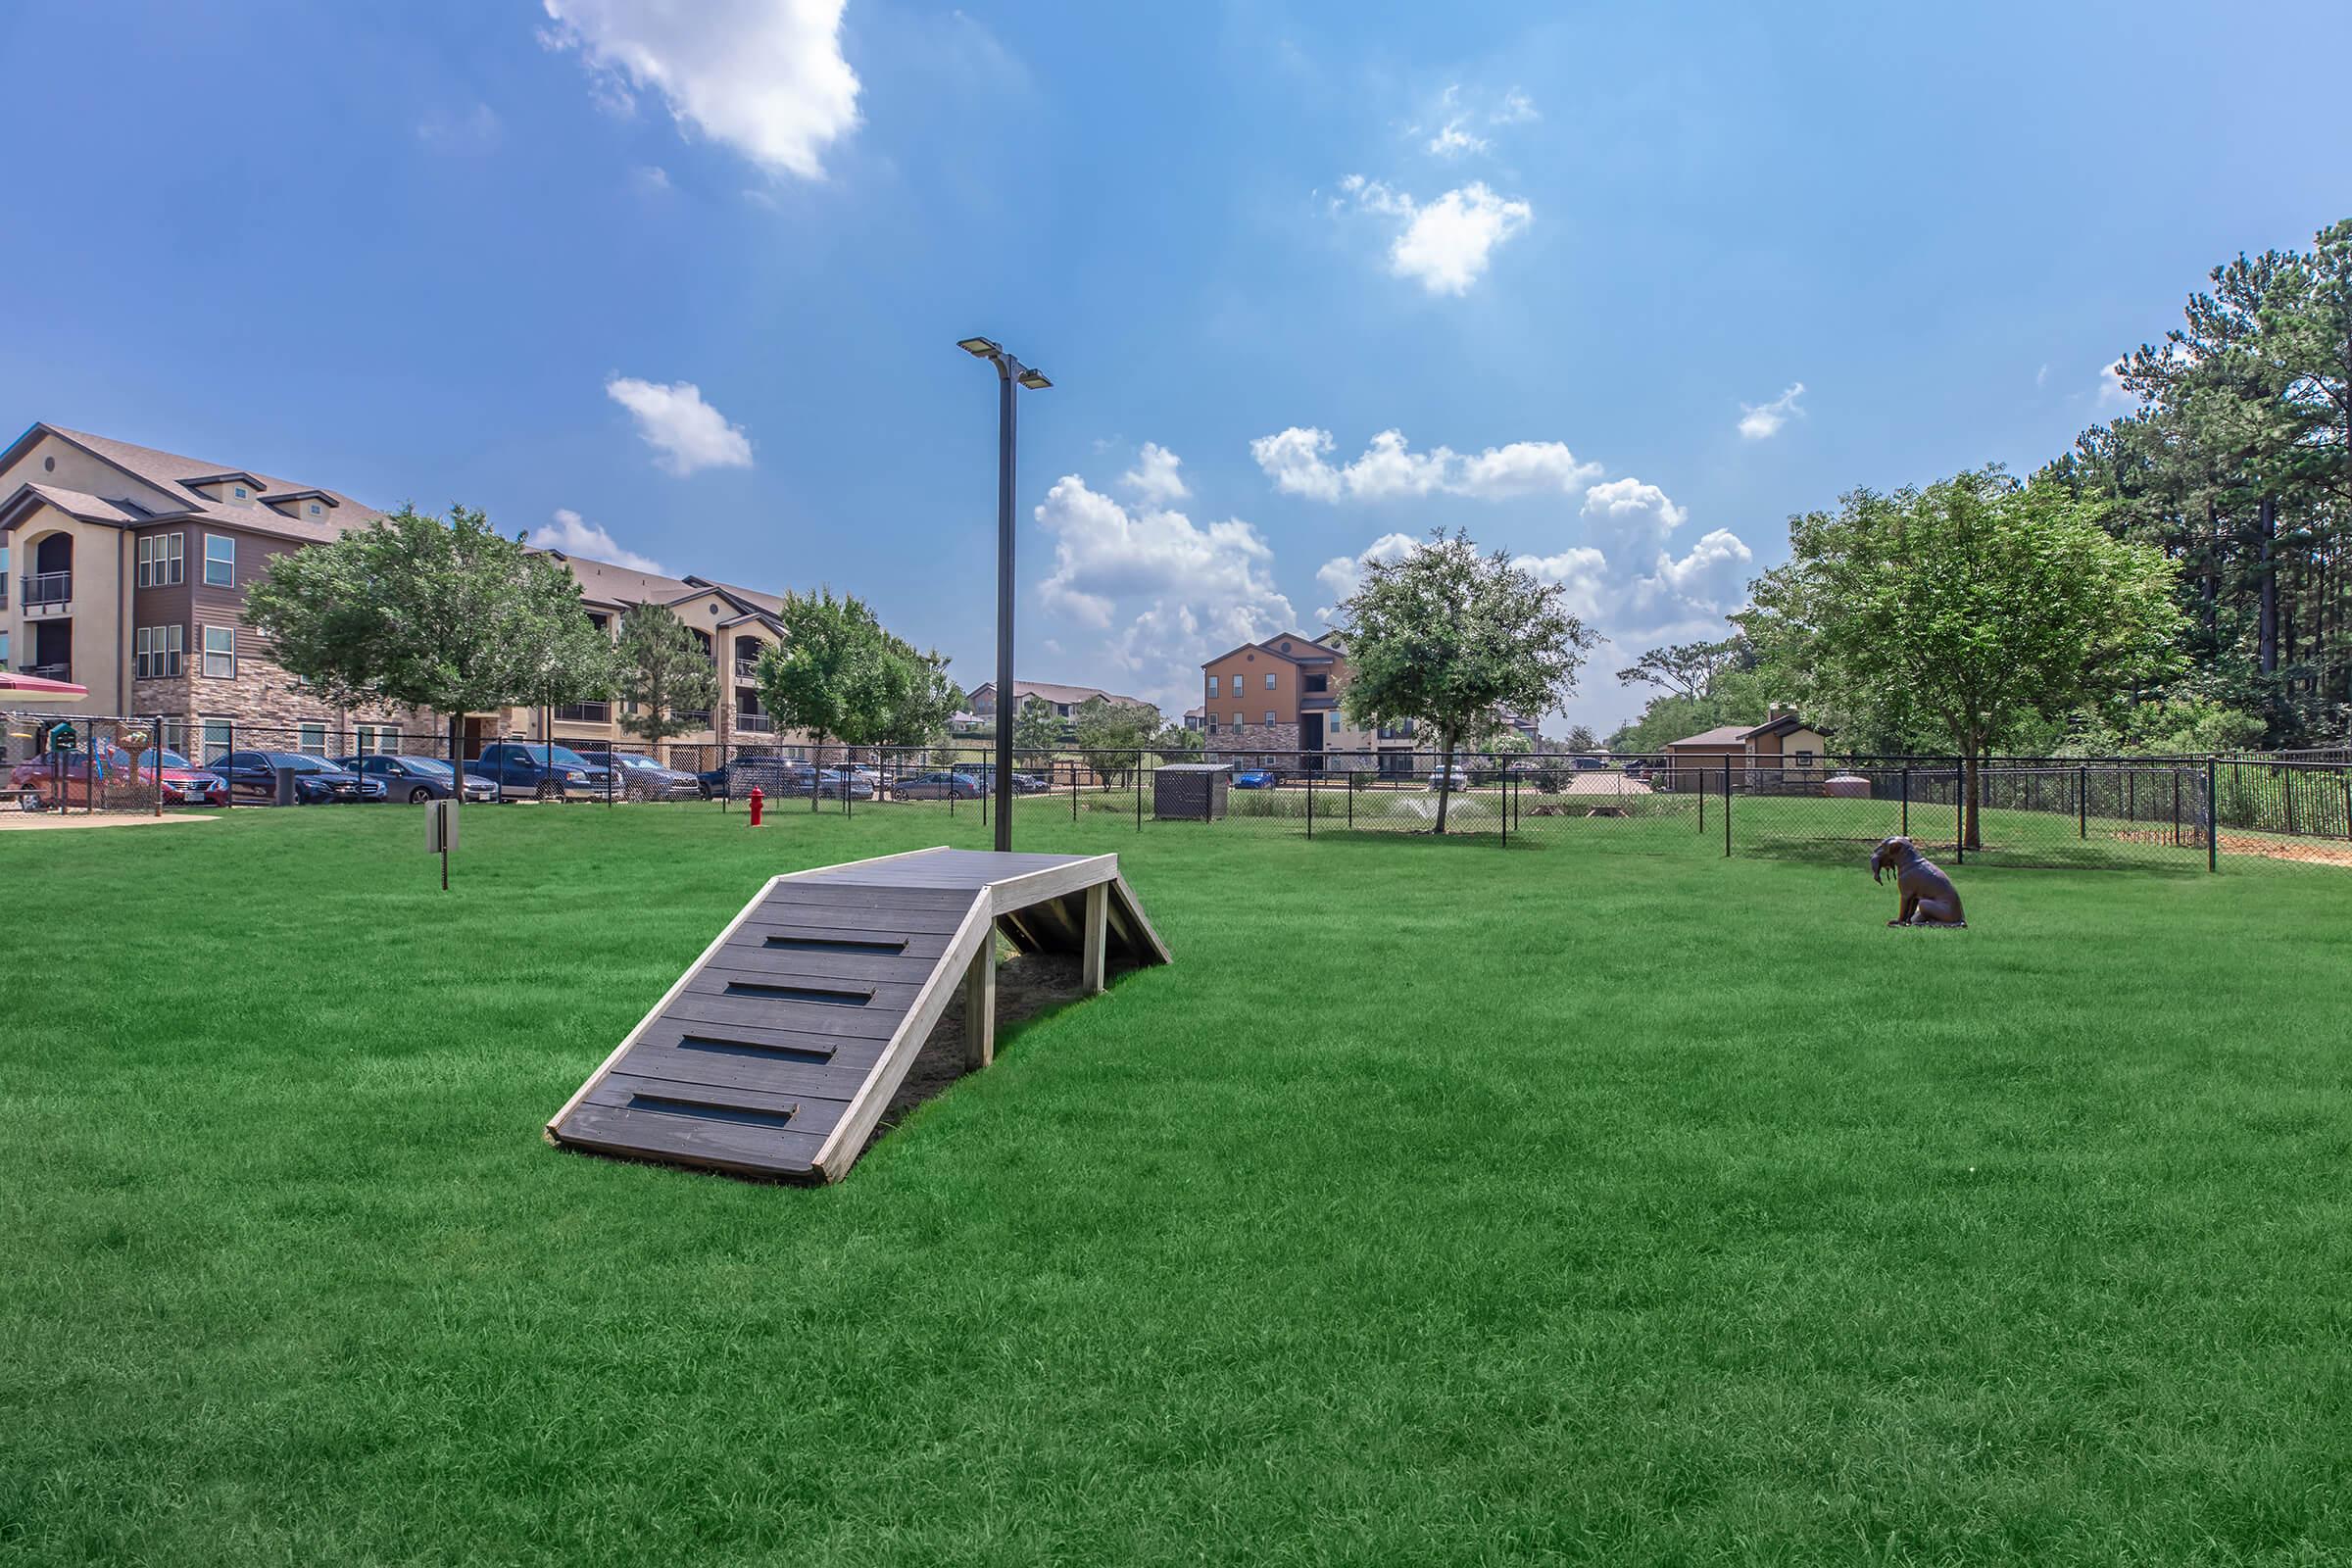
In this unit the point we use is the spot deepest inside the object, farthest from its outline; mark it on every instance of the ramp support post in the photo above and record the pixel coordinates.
(980, 1005)
(1098, 921)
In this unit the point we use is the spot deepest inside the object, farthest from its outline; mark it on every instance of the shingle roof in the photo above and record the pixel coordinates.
(1048, 691)
(1721, 735)
(77, 504)
(170, 473)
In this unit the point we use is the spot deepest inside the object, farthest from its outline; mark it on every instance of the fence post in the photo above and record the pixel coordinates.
(2213, 831)
(1959, 812)
(1073, 794)
(2175, 807)
(232, 750)
(2083, 801)
(158, 744)
(1310, 805)
(1137, 779)
(1506, 810)
(1727, 805)
(1352, 797)
(1906, 800)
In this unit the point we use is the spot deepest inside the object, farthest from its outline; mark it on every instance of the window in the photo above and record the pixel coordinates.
(379, 739)
(1269, 680)
(219, 734)
(157, 650)
(1212, 685)
(174, 736)
(311, 739)
(3, 642)
(161, 563)
(219, 561)
(313, 508)
(238, 491)
(1237, 720)
(1804, 759)
(1318, 683)
(1269, 715)
(220, 650)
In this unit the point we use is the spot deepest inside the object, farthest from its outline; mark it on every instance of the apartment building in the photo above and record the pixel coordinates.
(733, 623)
(1063, 700)
(1283, 696)
(123, 570)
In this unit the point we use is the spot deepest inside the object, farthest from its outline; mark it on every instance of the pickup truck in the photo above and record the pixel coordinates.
(541, 772)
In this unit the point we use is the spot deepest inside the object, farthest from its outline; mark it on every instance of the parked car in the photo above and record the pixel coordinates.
(63, 778)
(1024, 783)
(939, 786)
(523, 772)
(1589, 764)
(253, 776)
(771, 775)
(1444, 778)
(1256, 778)
(642, 778)
(416, 779)
(832, 784)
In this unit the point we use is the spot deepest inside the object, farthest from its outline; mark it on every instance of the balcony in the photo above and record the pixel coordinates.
(584, 714)
(46, 593)
(746, 669)
(756, 723)
(50, 671)
(700, 716)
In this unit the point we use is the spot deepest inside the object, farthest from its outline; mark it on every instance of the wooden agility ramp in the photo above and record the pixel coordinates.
(776, 1053)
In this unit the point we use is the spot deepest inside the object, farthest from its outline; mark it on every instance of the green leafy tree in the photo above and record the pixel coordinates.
(665, 670)
(1109, 734)
(1449, 638)
(1967, 608)
(416, 612)
(1036, 728)
(1690, 668)
(1582, 739)
(841, 676)
(1176, 741)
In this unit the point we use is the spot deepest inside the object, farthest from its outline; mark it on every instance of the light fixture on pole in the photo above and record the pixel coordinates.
(1011, 373)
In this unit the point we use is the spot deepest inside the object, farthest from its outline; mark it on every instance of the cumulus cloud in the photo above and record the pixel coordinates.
(1581, 569)
(1515, 109)
(766, 77)
(1389, 469)
(2113, 394)
(1710, 578)
(686, 433)
(1443, 244)
(1154, 477)
(1341, 575)
(574, 535)
(1761, 421)
(1177, 593)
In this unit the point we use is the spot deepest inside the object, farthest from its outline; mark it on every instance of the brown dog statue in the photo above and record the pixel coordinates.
(1928, 896)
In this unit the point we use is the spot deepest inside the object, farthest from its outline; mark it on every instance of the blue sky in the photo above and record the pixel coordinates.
(693, 276)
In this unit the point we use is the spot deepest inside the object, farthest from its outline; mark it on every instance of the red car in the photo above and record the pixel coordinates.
(64, 779)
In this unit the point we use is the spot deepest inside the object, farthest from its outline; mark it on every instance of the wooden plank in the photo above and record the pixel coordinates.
(980, 1006)
(827, 1080)
(864, 924)
(786, 965)
(855, 897)
(842, 1148)
(646, 1134)
(1051, 882)
(1151, 950)
(624, 1089)
(1091, 965)
(853, 1023)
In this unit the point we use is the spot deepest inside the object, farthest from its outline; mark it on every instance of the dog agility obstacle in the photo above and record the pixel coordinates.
(778, 1052)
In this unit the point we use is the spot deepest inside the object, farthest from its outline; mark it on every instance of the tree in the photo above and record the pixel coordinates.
(841, 676)
(1036, 728)
(449, 615)
(1175, 740)
(1968, 608)
(1450, 638)
(1690, 668)
(1582, 739)
(1109, 734)
(665, 670)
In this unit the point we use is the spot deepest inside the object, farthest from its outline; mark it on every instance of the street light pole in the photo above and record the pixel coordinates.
(1010, 373)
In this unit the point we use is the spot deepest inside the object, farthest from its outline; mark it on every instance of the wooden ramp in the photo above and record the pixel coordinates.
(776, 1053)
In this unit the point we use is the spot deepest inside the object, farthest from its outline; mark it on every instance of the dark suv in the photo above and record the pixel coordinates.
(253, 776)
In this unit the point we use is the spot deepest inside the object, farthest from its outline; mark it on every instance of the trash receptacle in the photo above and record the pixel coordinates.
(285, 786)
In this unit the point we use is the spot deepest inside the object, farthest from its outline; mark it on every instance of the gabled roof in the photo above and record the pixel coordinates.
(75, 504)
(1720, 735)
(175, 477)
(1305, 649)
(1050, 692)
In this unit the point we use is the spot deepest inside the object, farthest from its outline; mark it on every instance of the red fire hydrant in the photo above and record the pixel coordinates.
(756, 800)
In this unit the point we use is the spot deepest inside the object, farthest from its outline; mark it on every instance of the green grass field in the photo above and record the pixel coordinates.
(1441, 1203)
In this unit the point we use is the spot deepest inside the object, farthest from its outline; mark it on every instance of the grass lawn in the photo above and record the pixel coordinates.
(1441, 1203)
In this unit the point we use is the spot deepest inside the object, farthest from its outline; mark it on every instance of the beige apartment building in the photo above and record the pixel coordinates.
(1282, 697)
(124, 569)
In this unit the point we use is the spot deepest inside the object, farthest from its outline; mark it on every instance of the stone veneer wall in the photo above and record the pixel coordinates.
(269, 699)
(1250, 739)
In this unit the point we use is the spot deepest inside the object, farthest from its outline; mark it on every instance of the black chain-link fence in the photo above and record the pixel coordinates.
(2183, 813)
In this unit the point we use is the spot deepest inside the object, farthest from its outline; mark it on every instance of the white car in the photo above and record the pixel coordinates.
(1449, 779)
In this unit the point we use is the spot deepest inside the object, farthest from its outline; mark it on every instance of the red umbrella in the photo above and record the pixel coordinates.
(38, 689)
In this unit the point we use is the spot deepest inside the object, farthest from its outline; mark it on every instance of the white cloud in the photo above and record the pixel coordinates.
(2113, 394)
(1390, 468)
(1516, 107)
(1453, 141)
(1582, 570)
(1341, 575)
(1629, 509)
(2041, 376)
(1761, 421)
(651, 179)
(1445, 244)
(685, 432)
(1154, 477)
(574, 535)
(767, 77)
(1711, 579)
(1176, 592)
(474, 130)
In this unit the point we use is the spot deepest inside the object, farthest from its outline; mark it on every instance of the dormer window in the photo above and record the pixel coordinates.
(315, 509)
